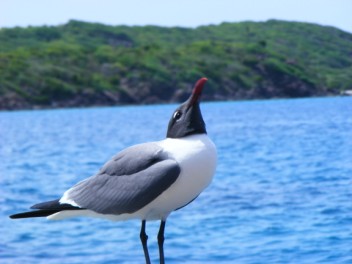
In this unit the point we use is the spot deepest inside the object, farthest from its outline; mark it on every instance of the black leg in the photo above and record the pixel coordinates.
(144, 239)
(161, 241)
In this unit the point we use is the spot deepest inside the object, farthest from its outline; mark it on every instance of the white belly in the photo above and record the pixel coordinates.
(196, 156)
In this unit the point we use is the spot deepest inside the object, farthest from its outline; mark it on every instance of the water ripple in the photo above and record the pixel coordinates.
(282, 191)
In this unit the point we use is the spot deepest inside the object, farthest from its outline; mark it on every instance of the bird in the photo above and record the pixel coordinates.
(147, 181)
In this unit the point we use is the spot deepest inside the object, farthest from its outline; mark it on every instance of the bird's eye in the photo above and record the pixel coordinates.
(177, 115)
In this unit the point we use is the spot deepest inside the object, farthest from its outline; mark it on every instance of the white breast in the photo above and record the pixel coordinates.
(197, 157)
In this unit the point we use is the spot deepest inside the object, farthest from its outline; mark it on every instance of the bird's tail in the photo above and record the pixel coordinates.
(45, 209)
(37, 213)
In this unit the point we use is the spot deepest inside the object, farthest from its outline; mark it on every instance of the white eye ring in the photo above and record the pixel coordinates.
(177, 115)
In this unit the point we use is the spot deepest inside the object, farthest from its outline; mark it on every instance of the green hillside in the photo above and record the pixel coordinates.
(83, 64)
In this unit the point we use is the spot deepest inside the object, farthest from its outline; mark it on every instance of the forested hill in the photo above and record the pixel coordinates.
(84, 64)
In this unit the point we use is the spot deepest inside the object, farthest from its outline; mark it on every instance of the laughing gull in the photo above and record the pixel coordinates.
(146, 181)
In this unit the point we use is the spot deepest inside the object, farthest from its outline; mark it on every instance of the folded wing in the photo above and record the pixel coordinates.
(129, 181)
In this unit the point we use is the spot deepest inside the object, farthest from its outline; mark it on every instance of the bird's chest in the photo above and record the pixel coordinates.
(196, 156)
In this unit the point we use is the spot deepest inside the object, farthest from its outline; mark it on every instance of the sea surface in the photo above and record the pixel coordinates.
(282, 192)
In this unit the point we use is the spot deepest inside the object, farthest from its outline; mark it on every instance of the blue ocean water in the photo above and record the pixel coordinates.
(282, 191)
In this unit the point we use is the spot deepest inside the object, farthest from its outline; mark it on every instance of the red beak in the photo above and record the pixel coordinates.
(197, 91)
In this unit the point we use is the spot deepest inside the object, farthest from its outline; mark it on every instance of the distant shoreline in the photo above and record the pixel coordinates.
(62, 106)
(80, 64)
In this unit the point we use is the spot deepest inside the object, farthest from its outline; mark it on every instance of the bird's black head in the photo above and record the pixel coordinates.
(187, 118)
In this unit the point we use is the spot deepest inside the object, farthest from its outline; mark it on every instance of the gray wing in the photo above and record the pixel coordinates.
(129, 181)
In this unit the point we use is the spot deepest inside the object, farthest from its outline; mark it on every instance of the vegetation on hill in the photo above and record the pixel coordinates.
(82, 64)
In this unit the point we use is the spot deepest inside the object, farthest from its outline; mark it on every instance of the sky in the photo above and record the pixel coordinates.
(185, 13)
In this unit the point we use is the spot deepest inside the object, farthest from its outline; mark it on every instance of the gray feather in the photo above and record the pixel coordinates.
(129, 181)
(132, 159)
